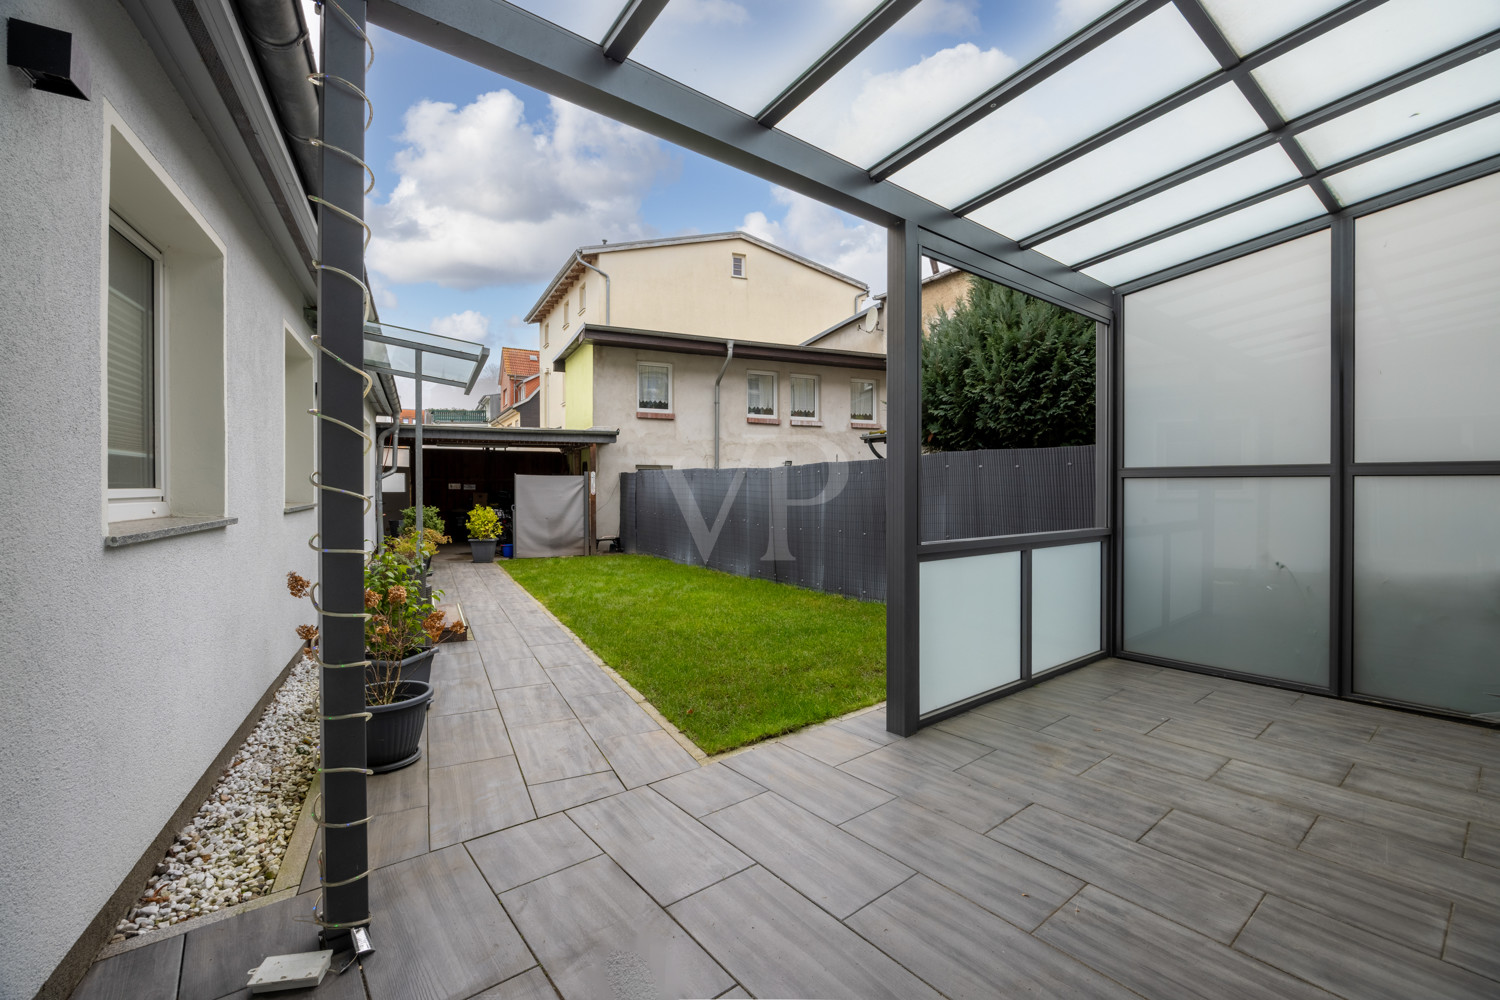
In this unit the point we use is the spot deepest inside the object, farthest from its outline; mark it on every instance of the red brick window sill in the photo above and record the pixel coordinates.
(763, 420)
(652, 415)
(802, 422)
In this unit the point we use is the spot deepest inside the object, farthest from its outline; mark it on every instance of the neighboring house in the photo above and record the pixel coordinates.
(159, 368)
(408, 417)
(520, 375)
(865, 330)
(526, 413)
(726, 285)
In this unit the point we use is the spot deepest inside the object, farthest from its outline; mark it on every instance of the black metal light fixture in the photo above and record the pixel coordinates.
(48, 56)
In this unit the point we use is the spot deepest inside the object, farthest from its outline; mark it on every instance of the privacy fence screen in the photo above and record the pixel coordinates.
(823, 526)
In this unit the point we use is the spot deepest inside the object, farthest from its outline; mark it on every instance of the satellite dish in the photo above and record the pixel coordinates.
(870, 319)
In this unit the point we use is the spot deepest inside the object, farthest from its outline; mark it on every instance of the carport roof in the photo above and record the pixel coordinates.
(481, 434)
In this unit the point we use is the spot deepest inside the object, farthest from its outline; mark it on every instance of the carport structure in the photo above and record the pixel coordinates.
(1283, 218)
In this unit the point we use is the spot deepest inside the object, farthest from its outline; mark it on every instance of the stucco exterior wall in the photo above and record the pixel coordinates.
(945, 291)
(687, 440)
(126, 670)
(578, 392)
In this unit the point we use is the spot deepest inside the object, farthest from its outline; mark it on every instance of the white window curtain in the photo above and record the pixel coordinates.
(804, 397)
(654, 383)
(762, 395)
(862, 402)
(132, 367)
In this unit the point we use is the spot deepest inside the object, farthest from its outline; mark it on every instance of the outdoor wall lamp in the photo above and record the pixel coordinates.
(48, 56)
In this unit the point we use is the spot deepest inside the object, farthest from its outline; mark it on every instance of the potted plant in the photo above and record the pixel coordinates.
(484, 532)
(401, 635)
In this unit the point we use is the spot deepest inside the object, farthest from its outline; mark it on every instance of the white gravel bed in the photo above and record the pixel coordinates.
(232, 848)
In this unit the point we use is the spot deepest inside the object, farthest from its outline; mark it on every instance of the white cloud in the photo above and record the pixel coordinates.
(941, 17)
(705, 12)
(1076, 13)
(385, 299)
(467, 325)
(825, 235)
(485, 197)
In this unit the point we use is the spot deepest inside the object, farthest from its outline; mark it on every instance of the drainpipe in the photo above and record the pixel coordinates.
(579, 257)
(381, 440)
(728, 356)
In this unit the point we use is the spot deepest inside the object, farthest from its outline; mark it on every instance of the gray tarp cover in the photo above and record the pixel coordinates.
(550, 516)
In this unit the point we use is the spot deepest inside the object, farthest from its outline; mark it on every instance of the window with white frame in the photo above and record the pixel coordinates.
(804, 397)
(300, 391)
(653, 388)
(737, 265)
(565, 313)
(862, 401)
(546, 334)
(760, 394)
(134, 372)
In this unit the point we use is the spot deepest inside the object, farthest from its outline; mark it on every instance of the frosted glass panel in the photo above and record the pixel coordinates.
(1230, 365)
(1251, 26)
(1064, 604)
(1229, 573)
(1246, 224)
(1201, 128)
(1427, 328)
(589, 18)
(1148, 61)
(1428, 158)
(1370, 48)
(1249, 175)
(1427, 591)
(1431, 102)
(971, 627)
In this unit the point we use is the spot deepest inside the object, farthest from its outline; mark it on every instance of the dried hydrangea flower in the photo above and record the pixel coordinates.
(307, 633)
(372, 599)
(396, 595)
(297, 584)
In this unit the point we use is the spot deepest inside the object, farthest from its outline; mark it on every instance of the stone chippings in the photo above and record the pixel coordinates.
(232, 848)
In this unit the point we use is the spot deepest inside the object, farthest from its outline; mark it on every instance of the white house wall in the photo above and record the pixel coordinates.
(126, 670)
(687, 440)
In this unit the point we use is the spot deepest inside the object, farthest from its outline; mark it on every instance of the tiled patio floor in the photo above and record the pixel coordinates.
(1121, 830)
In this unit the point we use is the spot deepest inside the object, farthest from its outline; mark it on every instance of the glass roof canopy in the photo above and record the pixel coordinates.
(447, 360)
(1117, 138)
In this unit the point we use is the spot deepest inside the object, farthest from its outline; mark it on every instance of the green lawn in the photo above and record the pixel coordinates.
(729, 660)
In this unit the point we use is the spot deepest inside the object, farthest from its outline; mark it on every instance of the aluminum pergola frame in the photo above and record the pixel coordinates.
(598, 76)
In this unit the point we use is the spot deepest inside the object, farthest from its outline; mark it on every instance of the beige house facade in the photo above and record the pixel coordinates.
(865, 330)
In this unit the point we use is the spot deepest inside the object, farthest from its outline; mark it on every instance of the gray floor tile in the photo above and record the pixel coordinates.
(1349, 961)
(397, 791)
(472, 799)
(440, 931)
(937, 748)
(641, 758)
(870, 725)
(554, 796)
(147, 973)
(811, 784)
(955, 796)
(1281, 757)
(830, 744)
(1022, 743)
(468, 694)
(217, 957)
(1400, 914)
(1251, 813)
(1002, 880)
(777, 944)
(1424, 793)
(1435, 738)
(1403, 861)
(531, 850)
(1341, 803)
(575, 680)
(832, 868)
(1159, 958)
(969, 953)
(1410, 763)
(738, 993)
(1483, 845)
(459, 739)
(533, 704)
(555, 750)
(707, 789)
(1193, 896)
(529, 985)
(1022, 709)
(1148, 750)
(397, 836)
(560, 652)
(667, 851)
(1135, 707)
(612, 714)
(594, 930)
(1021, 780)
(1474, 939)
(514, 672)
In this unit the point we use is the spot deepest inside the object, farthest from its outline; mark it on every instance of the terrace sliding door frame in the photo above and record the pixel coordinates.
(1342, 469)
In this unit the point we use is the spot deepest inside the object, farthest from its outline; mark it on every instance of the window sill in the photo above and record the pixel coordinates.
(864, 425)
(805, 422)
(150, 529)
(297, 508)
(653, 415)
(763, 420)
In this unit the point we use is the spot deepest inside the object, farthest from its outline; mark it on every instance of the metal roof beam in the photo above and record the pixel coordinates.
(630, 27)
(1416, 74)
(1014, 86)
(535, 52)
(875, 24)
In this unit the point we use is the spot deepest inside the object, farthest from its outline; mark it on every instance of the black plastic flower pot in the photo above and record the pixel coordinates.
(416, 667)
(393, 736)
(483, 549)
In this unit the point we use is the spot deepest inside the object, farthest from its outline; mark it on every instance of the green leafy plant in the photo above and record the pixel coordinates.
(432, 520)
(408, 544)
(484, 523)
(1005, 370)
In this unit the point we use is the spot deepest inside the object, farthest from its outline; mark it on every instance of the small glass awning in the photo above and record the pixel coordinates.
(446, 360)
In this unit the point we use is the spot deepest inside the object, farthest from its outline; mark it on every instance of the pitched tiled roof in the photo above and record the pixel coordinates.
(518, 361)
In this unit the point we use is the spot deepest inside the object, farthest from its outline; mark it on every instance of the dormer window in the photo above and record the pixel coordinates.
(737, 265)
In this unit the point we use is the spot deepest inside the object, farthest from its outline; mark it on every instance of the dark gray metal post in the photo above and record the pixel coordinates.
(903, 387)
(341, 314)
(416, 463)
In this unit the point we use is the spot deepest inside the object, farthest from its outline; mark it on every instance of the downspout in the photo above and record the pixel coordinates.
(381, 441)
(728, 356)
(579, 257)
